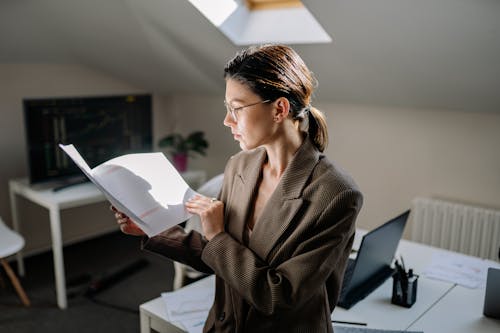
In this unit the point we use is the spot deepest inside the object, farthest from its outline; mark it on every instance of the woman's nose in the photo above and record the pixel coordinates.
(228, 120)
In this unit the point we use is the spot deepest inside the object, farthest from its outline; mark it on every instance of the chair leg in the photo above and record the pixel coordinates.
(15, 282)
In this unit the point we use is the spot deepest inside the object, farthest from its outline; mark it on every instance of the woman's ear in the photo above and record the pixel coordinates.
(282, 109)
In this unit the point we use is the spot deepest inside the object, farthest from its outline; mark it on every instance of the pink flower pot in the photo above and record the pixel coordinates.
(180, 162)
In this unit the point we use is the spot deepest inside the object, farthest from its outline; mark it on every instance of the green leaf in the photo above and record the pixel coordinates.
(176, 143)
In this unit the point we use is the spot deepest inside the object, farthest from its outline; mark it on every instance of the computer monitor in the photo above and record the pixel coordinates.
(101, 127)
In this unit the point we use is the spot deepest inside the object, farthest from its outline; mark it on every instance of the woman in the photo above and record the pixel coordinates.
(279, 235)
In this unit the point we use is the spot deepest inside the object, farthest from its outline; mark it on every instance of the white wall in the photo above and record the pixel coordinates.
(394, 154)
(194, 112)
(41, 80)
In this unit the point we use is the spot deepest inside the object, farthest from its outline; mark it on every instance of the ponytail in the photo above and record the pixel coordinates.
(317, 129)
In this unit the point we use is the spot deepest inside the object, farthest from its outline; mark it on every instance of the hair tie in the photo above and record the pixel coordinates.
(303, 113)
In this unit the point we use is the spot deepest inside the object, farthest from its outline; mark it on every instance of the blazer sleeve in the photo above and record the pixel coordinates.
(321, 253)
(186, 244)
(179, 245)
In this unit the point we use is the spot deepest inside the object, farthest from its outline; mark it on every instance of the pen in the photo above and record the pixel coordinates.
(403, 280)
(349, 322)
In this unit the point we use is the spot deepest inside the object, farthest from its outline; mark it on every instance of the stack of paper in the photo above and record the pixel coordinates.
(144, 186)
(457, 268)
(188, 307)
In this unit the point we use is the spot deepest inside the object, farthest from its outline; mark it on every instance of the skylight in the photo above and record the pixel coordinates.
(263, 21)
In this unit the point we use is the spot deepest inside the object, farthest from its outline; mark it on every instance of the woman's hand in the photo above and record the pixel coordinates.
(127, 226)
(211, 213)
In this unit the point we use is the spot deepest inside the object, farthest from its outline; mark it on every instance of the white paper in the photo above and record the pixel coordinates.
(457, 268)
(195, 325)
(144, 186)
(189, 306)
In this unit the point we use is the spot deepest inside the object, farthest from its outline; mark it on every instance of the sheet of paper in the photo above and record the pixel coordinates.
(457, 268)
(144, 186)
(189, 306)
(195, 325)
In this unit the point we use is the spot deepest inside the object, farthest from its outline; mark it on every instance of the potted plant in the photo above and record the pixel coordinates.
(181, 147)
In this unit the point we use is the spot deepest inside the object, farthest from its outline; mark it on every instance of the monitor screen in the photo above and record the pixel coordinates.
(100, 128)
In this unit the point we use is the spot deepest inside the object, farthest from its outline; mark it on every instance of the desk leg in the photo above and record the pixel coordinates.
(145, 324)
(15, 225)
(57, 251)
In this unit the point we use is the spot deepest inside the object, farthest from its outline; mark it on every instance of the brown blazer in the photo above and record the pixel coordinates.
(288, 277)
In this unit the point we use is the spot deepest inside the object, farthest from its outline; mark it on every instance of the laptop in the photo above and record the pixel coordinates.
(372, 265)
(492, 295)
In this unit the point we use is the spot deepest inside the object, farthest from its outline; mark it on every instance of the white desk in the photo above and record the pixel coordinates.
(74, 196)
(71, 197)
(436, 310)
(153, 314)
(459, 311)
(377, 311)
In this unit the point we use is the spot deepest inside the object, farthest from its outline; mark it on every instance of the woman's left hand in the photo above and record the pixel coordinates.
(211, 213)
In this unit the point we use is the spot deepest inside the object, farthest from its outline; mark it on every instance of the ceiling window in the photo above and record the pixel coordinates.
(247, 22)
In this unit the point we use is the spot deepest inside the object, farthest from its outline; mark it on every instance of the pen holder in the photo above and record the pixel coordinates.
(404, 289)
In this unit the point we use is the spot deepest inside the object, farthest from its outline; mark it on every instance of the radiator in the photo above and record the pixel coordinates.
(458, 227)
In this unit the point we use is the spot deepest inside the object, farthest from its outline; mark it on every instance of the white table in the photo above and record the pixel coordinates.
(74, 196)
(441, 307)
(55, 201)
(153, 314)
(377, 311)
(459, 311)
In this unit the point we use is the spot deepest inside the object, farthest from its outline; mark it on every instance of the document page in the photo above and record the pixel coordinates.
(145, 186)
(459, 268)
(188, 307)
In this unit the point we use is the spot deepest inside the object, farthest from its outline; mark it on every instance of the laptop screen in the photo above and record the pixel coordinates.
(377, 249)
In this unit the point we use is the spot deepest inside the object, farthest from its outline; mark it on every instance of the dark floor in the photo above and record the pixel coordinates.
(114, 309)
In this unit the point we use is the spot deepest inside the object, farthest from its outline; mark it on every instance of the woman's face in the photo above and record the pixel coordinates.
(254, 125)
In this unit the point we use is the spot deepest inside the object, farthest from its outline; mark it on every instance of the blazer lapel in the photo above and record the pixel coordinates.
(244, 187)
(285, 201)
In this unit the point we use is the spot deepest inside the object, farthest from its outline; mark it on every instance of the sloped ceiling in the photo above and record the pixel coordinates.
(412, 53)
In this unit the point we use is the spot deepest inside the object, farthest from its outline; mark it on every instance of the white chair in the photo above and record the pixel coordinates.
(183, 272)
(11, 243)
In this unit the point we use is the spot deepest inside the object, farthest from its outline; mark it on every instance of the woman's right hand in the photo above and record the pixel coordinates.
(127, 226)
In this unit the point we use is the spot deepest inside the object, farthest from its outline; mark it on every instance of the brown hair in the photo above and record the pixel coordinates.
(273, 71)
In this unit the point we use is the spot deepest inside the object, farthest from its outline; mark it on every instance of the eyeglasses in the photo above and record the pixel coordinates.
(233, 111)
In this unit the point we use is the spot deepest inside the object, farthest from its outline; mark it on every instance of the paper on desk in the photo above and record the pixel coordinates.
(189, 306)
(457, 268)
(144, 186)
(195, 325)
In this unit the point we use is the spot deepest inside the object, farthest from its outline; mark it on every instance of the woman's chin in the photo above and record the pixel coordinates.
(243, 145)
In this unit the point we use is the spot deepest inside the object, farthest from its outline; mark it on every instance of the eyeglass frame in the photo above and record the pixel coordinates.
(232, 111)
